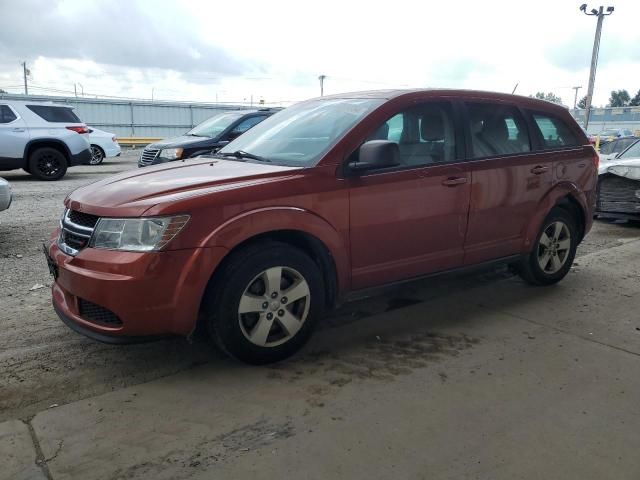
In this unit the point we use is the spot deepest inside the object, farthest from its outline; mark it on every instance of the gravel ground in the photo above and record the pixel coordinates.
(43, 363)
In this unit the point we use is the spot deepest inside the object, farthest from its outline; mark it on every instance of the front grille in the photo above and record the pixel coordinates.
(97, 314)
(76, 229)
(148, 156)
(618, 194)
(83, 219)
(74, 241)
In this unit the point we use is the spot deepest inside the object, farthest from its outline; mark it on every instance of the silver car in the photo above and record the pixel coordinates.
(619, 185)
(5, 194)
(42, 138)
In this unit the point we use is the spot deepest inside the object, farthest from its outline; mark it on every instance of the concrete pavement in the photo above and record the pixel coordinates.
(501, 381)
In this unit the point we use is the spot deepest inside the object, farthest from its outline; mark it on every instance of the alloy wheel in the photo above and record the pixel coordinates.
(96, 155)
(274, 306)
(49, 165)
(554, 247)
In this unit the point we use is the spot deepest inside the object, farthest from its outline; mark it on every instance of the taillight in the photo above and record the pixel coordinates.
(113, 139)
(79, 129)
(596, 159)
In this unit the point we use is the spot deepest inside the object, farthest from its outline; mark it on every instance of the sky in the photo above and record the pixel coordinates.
(274, 50)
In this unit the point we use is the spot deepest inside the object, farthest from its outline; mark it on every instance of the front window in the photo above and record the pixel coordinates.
(215, 125)
(302, 133)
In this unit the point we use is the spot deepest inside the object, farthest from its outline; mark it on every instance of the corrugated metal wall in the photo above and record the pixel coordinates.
(612, 117)
(136, 118)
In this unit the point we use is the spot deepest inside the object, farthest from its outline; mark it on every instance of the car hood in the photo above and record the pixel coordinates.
(628, 168)
(183, 141)
(134, 192)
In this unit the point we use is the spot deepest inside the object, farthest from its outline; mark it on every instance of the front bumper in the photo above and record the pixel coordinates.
(618, 197)
(152, 294)
(81, 158)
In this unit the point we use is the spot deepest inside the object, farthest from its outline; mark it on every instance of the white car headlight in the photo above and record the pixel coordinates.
(171, 153)
(137, 234)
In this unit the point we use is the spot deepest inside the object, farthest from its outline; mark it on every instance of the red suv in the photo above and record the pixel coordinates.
(326, 197)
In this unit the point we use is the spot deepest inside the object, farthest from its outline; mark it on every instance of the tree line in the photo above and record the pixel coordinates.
(618, 98)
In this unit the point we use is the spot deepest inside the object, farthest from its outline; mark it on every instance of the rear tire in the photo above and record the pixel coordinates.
(554, 250)
(47, 163)
(97, 155)
(265, 302)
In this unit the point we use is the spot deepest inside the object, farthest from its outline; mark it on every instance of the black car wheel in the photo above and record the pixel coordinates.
(47, 163)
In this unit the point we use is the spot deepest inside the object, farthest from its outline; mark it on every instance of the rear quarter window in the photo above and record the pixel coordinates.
(6, 114)
(55, 114)
(554, 133)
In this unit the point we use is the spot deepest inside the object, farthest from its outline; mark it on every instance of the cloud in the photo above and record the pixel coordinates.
(135, 34)
(574, 53)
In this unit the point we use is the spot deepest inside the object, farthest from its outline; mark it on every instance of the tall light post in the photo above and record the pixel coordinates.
(600, 13)
(575, 99)
(321, 78)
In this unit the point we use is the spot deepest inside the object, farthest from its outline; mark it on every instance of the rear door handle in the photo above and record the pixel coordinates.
(453, 181)
(18, 129)
(539, 170)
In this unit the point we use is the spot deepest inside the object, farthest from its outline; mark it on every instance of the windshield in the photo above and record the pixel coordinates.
(215, 125)
(302, 133)
(632, 152)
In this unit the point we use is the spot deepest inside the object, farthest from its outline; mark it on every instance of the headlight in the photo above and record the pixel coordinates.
(137, 234)
(171, 154)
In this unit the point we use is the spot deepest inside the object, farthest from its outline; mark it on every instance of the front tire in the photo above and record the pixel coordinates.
(97, 155)
(554, 250)
(47, 163)
(265, 302)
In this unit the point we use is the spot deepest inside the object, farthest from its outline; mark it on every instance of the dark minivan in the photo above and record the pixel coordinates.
(205, 138)
(319, 202)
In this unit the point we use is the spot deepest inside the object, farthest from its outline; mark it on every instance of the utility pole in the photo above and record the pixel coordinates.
(75, 90)
(575, 99)
(600, 13)
(321, 78)
(25, 72)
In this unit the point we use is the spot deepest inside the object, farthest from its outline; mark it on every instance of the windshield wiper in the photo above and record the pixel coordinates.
(240, 154)
(193, 135)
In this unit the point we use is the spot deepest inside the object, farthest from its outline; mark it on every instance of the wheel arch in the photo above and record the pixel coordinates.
(564, 195)
(46, 142)
(291, 225)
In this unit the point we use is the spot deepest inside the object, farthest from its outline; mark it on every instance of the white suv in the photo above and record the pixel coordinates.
(42, 138)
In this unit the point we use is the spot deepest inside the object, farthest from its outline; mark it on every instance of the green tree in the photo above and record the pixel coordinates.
(635, 101)
(583, 102)
(2, 91)
(619, 98)
(549, 97)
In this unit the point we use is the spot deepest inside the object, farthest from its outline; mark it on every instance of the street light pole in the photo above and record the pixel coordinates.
(600, 13)
(575, 100)
(25, 72)
(321, 78)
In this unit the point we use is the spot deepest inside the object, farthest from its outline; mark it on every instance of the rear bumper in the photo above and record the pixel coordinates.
(81, 158)
(112, 150)
(152, 294)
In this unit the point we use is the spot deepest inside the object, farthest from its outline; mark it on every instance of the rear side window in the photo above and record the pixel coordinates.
(55, 114)
(497, 130)
(6, 114)
(554, 132)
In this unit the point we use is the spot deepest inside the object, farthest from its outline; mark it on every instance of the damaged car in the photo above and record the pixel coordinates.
(619, 185)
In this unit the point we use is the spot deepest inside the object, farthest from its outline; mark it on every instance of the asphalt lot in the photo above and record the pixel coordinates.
(474, 376)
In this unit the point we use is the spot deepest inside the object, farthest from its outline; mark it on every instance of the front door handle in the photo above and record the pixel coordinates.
(18, 129)
(453, 181)
(539, 170)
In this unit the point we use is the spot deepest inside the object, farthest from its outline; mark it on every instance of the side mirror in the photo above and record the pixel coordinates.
(376, 154)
